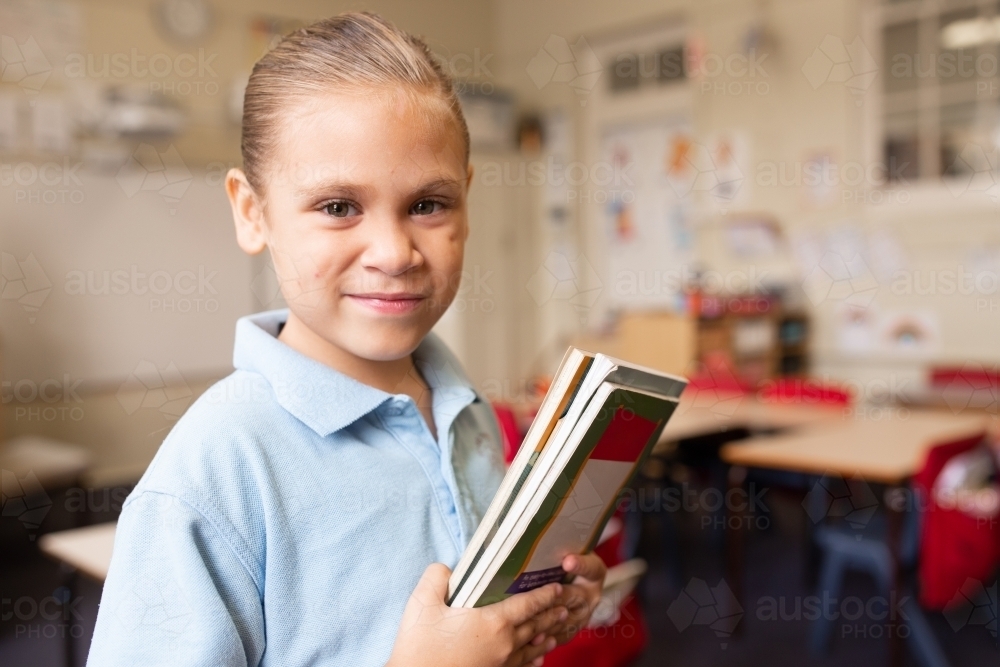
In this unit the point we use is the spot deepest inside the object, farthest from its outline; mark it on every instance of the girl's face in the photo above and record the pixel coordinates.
(366, 218)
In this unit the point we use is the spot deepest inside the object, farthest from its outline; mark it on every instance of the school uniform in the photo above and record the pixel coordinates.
(291, 511)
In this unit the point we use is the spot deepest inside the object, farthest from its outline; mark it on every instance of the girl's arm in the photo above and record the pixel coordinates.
(176, 594)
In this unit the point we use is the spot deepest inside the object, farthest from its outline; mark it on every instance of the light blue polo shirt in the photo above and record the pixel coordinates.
(290, 512)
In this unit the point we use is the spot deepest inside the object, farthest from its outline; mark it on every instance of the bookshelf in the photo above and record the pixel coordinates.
(754, 335)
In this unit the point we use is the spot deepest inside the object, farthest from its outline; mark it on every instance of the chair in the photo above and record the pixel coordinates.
(803, 391)
(509, 431)
(955, 546)
(867, 551)
(971, 376)
(969, 387)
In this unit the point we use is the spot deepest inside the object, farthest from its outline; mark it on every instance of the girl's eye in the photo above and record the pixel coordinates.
(426, 207)
(340, 209)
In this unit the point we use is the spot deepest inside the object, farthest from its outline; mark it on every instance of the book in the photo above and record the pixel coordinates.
(596, 425)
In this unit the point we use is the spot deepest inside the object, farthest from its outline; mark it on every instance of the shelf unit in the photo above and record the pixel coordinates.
(754, 336)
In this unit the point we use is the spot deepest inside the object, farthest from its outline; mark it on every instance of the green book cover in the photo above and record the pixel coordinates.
(583, 497)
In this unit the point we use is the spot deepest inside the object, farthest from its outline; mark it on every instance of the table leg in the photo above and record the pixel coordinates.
(69, 644)
(736, 479)
(895, 506)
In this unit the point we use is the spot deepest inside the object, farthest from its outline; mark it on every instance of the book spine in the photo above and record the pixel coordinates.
(496, 526)
(494, 519)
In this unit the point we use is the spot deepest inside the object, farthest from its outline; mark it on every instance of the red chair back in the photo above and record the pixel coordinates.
(937, 458)
(954, 546)
(974, 376)
(723, 382)
(803, 391)
(509, 430)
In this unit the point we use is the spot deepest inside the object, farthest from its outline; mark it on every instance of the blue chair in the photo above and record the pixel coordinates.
(863, 548)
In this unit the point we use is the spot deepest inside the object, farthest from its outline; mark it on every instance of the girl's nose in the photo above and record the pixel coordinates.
(390, 248)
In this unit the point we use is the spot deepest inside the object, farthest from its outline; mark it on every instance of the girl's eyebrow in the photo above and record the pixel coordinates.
(355, 191)
(436, 185)
(326, 189)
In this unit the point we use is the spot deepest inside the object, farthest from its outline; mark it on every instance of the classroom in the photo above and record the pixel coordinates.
(499, 332)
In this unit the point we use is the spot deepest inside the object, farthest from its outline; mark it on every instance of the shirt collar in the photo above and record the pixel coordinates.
(324, 399)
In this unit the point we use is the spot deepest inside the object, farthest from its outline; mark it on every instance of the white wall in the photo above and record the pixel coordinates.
(132, 279)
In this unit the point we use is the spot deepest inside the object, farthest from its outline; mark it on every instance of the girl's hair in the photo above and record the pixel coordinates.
(348, 52)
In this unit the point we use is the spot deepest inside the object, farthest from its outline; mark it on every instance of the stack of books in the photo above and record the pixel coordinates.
(596, 425)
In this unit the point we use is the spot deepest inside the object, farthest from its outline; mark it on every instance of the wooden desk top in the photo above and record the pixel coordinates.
(888, 451)
(86, 549)
(52, 462)
(705, 414)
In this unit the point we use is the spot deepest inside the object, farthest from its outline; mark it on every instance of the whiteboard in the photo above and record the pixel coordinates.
(101, 274)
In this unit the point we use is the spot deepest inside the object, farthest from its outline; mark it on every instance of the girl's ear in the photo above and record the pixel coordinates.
(248, 213)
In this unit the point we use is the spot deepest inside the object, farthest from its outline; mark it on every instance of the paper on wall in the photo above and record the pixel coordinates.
(730, 159)
(914, 333)
(856, 330)
(645, 192)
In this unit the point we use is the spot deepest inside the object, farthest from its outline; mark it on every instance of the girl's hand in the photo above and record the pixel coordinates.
(582, 596)
(510, 633)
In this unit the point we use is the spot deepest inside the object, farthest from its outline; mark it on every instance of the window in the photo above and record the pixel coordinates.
(629, 70)
(941, 87)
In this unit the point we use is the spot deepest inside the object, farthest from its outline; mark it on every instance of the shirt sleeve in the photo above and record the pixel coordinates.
(177, 593)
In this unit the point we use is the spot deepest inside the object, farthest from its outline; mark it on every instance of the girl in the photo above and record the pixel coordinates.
(305, 510)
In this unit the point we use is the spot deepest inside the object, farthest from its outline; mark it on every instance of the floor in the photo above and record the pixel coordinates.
(774, 629)
(680, 550)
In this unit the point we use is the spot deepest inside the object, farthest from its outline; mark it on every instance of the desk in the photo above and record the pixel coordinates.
(54, 464)
(708, 412)
(86, 550)
(958, 396)
(82, 550)
(886, 451)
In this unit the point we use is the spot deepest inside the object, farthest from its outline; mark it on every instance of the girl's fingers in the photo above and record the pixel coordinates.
(589, 566)
(539, 624)
(522, 607)
(529, 653)
(576, 598)
(433, 585)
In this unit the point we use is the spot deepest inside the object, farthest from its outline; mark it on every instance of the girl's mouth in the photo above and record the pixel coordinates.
(389, 303)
